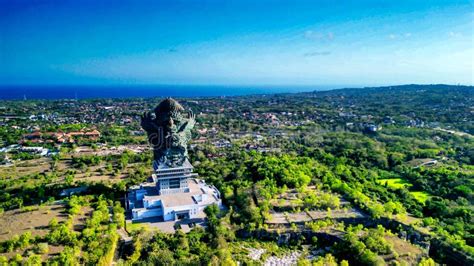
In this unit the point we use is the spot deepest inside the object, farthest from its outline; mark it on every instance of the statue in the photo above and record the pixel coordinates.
(169, 131)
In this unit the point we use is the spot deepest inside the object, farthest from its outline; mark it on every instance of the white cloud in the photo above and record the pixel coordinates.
(319, 36)
(454, 34)
(394, 36)
(317, 53)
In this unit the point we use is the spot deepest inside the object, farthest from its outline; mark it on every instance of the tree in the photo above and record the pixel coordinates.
(427, 262)
(69, 179)
(33, 260)
(137, 249)
(53, 223)
(327, 260)
(68, 256)
(162, 257)
(182, 245)
(212, 211)
(42, 248)
(119, 215)
(24, 240)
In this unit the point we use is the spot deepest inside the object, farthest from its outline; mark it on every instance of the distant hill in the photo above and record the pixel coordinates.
(400, 88)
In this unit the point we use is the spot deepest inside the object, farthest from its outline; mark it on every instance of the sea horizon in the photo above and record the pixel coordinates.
(81, 92)
(52, 92)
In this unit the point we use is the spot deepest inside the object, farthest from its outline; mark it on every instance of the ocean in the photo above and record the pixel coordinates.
(91, 92)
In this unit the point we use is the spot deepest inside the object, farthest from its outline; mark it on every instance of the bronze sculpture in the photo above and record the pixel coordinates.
(169, 131)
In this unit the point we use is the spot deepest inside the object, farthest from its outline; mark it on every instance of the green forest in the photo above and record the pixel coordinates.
(373, 176)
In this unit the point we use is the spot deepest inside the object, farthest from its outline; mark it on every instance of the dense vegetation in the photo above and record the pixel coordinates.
(289, 154)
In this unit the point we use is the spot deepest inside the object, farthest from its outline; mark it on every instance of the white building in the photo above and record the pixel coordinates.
(172, 194)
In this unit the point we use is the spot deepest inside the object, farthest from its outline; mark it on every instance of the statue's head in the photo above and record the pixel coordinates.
(168, 112)
(168, 106)
(169, 131)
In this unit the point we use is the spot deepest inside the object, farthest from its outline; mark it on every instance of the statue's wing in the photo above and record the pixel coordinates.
(147, 121)
(189, 124)
(191, 119)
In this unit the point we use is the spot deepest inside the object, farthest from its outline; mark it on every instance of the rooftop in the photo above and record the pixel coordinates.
(197, 188)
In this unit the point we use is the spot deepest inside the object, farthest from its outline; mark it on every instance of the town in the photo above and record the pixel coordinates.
(284, 171)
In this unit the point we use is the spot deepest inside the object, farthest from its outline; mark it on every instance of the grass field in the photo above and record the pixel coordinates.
(132, 227)
(394, 183)
(401, 183)
(420, 196)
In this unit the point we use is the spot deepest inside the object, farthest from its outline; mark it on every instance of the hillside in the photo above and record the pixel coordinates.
(360, 176)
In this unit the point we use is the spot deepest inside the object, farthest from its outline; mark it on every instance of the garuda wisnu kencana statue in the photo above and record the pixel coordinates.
(169, 131)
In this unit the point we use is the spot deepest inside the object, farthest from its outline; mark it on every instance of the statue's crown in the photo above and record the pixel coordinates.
(169, 105)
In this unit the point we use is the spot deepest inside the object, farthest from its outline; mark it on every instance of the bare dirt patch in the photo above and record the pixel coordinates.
(26, 168)
(407, 251)
(17, 222)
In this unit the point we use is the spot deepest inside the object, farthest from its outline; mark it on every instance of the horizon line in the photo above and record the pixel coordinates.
(235, 85)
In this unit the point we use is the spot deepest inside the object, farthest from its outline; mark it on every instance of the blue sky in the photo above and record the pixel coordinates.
(236, 42)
